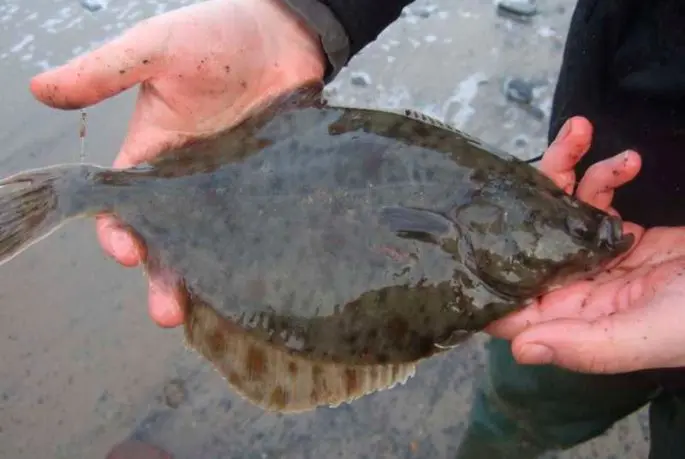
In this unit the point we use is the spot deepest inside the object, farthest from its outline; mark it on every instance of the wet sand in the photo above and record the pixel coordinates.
(82, 367)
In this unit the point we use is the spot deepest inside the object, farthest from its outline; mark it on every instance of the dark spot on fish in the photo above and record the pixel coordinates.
(374, 373)
(227, 68)
(292, 369)
(382, 296)
(318, 383)
(234, 378)
(256, 363)
(243, 84)
(337, 128)
(616, 172)
(278, 398)
(425, 346)
(395, 370)
(351, 381)
(397, 328)
(122, 71)
(146, 61)
(216, 342)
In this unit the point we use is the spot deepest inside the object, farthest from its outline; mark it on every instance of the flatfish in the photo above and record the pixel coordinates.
(324, 251)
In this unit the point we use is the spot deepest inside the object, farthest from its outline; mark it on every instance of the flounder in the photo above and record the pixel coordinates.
(324, 250)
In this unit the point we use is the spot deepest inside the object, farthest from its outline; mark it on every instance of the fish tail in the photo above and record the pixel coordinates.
(35, 203)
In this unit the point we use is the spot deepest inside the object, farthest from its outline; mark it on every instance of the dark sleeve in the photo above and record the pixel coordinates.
(346, 26)
(624, 70)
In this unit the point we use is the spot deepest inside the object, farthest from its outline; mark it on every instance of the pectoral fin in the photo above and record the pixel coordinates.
(414, 223)
(277, 380)
(455, 339)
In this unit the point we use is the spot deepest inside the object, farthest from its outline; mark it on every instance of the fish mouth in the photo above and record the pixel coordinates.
(611, 236)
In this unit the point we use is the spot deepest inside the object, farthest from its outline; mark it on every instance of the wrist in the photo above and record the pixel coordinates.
(323, 30)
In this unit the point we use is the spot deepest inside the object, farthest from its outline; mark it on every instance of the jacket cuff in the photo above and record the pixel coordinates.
(334, 39)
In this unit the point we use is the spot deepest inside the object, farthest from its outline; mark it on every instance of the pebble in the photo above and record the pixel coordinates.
(519, 7)
(426, 11)
(521, 141)
(174, 393)
(92, 5)
(360, 79)
(518, 90)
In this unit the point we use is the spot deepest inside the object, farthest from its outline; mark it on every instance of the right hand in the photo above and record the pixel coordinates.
(627, 318)
(202, 69)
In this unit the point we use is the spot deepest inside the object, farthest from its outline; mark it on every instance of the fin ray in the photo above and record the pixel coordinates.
(277, 380)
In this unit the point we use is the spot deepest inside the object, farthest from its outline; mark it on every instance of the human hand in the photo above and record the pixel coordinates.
(202, 69)
(628, 318)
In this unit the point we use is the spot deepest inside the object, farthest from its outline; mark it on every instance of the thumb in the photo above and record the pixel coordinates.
(628, 341)
(110, 69)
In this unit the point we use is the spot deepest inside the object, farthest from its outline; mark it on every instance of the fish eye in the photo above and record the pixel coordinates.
(577, 228)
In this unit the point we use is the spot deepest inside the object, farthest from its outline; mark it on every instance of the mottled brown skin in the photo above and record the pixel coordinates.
(344, 235)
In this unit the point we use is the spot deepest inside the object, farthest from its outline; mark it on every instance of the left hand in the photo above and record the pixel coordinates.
(632, 316)
(200, 69)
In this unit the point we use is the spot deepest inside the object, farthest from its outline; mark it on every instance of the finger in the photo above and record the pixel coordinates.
(645, 335)
(165, 301)
(572, 142)
(564, 302)
(611, 292)
(601, 179)
(144, 142)
(637, 339)
(117, 242)
(108, 70)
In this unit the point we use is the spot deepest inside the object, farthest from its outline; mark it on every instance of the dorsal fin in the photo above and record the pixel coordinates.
(419, 116)
(416, 115)
(275, 379)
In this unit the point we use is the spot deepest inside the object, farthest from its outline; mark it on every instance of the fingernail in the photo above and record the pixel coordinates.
(565, 130)
(120, 242)
(536, 354)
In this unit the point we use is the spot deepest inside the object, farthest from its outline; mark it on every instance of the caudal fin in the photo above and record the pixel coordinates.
(33, 204)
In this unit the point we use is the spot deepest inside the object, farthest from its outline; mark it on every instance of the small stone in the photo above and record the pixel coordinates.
(518, 90)
(360, 79)
(518, 7)
(426, 11)
(92, 5)
(174, 393)
(520, 141)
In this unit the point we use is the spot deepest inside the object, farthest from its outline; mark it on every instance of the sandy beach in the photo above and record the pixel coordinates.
(82, 367)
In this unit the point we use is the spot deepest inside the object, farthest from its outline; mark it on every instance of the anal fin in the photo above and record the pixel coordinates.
(275, 379)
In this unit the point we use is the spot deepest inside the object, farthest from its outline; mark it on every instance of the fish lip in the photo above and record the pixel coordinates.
(612, 237)
(625, 243)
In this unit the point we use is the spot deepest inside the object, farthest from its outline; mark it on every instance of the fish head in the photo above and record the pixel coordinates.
(524, 241)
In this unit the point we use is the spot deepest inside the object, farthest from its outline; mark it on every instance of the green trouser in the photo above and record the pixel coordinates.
(521, 411)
